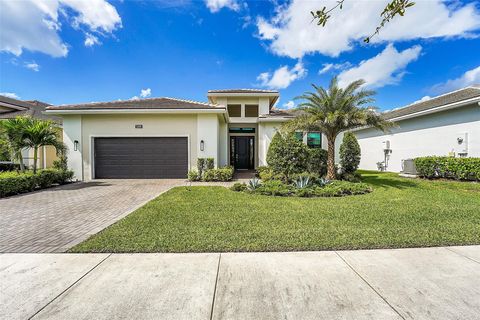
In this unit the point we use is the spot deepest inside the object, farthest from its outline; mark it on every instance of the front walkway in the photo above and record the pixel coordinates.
(428, 283)
(56, 219)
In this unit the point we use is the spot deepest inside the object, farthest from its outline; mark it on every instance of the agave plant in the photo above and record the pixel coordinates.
(302, 182)
(323, 182)
(253, 184)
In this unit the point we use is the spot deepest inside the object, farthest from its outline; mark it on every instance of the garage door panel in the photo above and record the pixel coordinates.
(156, 157)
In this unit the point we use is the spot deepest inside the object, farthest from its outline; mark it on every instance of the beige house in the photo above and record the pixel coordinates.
(164, 137)
(11, 108)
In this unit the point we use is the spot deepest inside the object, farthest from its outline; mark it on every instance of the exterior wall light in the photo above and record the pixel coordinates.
(75, 145)
(202, 145)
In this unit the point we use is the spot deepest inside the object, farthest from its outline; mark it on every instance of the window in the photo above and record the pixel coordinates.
(314, 139)
(241, 130)
(234, 110)
(251, 110)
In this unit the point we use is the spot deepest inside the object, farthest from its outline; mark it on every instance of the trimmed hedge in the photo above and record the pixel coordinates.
(12, 183)
(448, 168)
(220, 174)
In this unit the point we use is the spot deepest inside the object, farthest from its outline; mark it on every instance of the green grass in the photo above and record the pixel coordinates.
(398, 213)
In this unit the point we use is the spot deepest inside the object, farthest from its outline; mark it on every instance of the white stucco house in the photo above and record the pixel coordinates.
(447, 125)
(164, 137)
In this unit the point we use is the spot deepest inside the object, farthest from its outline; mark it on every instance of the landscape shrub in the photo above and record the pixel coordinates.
(434, 167)
(317, 161)
(209, 163)
(193, 175)
(220, 174)
(286, 155)
(9, 166)
(237, 186)
(200, 166)
(351, 177)
(322, 188)
(14, 183)
(275, 188)
(349, 153)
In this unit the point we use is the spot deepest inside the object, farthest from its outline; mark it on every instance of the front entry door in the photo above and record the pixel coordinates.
(243, 152)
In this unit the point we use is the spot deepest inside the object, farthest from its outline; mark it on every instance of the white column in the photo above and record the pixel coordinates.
(72, 131)
(207, 131)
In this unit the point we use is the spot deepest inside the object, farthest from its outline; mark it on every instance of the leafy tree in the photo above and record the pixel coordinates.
(393, 8)
(350, 153)
(38, 133)
(335, 110)
(286, 155)
(13, 135)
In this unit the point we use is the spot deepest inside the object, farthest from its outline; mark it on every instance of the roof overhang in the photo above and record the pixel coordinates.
(275, 119)
(450, 106)
(61, 112)
(273, 96)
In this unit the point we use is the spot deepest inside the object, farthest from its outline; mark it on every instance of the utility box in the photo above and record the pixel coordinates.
(408, 167)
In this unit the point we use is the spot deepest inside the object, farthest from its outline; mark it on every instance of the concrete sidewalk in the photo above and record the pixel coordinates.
(428, 283)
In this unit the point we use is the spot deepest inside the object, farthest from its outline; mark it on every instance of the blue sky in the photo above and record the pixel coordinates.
(66, 51)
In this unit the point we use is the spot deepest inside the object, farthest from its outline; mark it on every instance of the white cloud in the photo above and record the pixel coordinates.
(326, 67)
(282, 77)
(388, 67)
(145, 93)
(468, 78)
(34, 24)
(425, 98)
(216, 5)
(289, 105)
(91, 40)
(32, 66)
(9, 95)
(292, 33)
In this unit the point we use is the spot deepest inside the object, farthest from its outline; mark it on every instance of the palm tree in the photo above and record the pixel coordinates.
(334, 110)
(39, 133)
(12, 131)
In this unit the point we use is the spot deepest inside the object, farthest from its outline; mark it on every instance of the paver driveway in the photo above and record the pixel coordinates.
(56, 219)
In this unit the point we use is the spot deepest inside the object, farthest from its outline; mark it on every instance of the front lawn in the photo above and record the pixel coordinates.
(398, 213)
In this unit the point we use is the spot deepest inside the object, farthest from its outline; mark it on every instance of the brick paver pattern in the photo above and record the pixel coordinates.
(56, 219)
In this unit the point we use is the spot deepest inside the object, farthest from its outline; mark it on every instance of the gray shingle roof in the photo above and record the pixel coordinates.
(150, 103)
(448, 98)
(26, 108)
(243, 91)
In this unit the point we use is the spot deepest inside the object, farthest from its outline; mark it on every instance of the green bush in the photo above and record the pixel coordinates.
(317, 161)
(349, 153)
(351, 177)
(200, 166)
(448, 168)
(286, 155)
(14, 183)
(238, 187)
(193, 175)
(275, 188)
(209, 163)
(220, 174)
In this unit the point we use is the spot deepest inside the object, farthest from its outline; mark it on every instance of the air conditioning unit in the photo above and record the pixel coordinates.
(408, 167)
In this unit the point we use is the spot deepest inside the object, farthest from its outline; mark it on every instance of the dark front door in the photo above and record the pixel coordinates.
(141, 158)
(243, 151)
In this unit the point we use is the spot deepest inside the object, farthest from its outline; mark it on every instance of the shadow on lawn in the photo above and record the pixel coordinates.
(389, 182)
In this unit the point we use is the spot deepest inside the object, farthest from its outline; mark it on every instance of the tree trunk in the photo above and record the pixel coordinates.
(20, 160)
(331, 159)
(35, 155)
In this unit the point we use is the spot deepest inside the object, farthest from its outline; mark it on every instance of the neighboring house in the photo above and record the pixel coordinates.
(447, 125)
(11, 108)
(163, 137)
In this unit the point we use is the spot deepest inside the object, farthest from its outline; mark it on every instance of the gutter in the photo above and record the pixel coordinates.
(133, 111)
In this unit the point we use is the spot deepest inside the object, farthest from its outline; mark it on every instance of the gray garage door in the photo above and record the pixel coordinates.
(141, 158)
